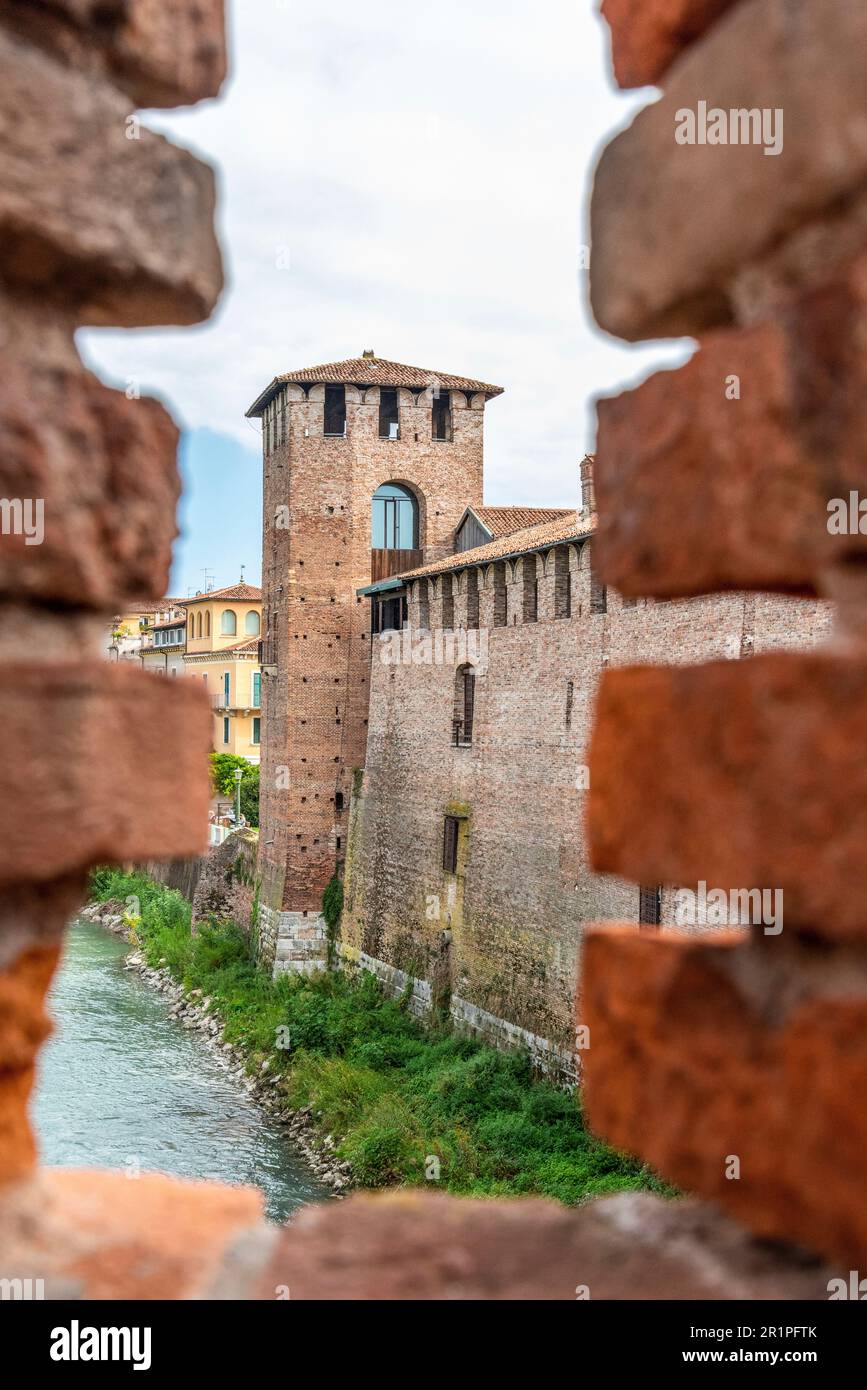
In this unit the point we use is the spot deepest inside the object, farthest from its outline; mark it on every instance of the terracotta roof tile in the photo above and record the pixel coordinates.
(569, 526)
(373, 371)
(244, 593)
(504, 521)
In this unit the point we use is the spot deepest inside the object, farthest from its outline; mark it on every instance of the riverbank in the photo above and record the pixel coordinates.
(370, 1096)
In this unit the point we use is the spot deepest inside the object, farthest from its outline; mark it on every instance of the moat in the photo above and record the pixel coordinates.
(123, 1085)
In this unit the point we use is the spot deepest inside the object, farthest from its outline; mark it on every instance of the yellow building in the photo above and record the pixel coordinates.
(222, 649)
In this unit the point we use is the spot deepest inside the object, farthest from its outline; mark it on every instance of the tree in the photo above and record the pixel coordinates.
(223, 778)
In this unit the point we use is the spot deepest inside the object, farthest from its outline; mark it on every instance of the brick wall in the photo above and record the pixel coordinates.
(502, 938)
(715, 476)
(316, 553)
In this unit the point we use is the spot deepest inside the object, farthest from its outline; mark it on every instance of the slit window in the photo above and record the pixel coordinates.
(649, 906)
(389, 416)
(441, 416)
(465, 700)
(338, 801)
(335, 410)
(450, 844)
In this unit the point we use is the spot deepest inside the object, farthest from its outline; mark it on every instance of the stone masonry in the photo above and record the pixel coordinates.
(500, 940)
(316, 648)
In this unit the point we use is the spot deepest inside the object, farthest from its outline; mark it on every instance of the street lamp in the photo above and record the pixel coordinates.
(238, 775)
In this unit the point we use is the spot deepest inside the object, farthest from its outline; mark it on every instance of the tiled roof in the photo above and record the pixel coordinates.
(567, 527)
(504, 521)
(244, 593)
(248, 645)
(373, 371)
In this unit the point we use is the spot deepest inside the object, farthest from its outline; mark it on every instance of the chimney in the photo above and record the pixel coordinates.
(588, 498)
(368, 352)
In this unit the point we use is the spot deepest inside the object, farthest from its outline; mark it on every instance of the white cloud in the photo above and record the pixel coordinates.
(424, 171)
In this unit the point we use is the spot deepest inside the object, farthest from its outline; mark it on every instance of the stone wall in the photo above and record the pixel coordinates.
(499, 942)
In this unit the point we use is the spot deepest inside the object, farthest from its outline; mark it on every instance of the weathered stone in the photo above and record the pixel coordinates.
(101, 1235)
(647, 35)
(108, 526)
(122, 230)
(24, 1026)
(728, 1089)
(775, 796)
(94, 794)
(671, 223)
(162, 52)
(226, 881)
(418, 1246)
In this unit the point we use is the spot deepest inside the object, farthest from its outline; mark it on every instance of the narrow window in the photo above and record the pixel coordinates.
(226, 679)
(501, 605)
(441, 416)
(389, 416)
(450, 844)
(472, 598)
(257, 689)
(531, 589)
(649, 906)
(448, 594)
(570, 693)
(469, 683)
(257, 730)
(335, 410)
(598, 591)
(207, 623)
(462, 717)
(226, 730)
(562, 584)
(338, 801)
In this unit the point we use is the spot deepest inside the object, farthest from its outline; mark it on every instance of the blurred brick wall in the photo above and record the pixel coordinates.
(715, 476)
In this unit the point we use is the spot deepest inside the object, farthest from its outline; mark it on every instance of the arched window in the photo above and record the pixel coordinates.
(199, 623)
(251, 623)
(465, 698)
(228, 623)
(208, 623)
(394, 519)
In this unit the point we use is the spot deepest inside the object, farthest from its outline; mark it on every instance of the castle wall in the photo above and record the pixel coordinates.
(497, 945)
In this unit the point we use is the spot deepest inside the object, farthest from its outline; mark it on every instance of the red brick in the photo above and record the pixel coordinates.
(647, 35)
(110, 764)
(415, 1245)
(108, 524)
(672, 224)
(744, 774)
(122, 229)
(690, 1062)
(161, 52)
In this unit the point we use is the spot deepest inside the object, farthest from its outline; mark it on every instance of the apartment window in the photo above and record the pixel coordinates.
(389, 413)
(226, 729)
(257, 730)
(451, 829)
(257, 689)
(335, 410)
(441, 416)
(649, 906)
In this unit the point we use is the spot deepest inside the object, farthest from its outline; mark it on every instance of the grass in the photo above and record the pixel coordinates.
(405, 1103)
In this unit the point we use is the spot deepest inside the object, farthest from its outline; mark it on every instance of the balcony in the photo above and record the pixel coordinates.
(234, 702)
(385, 563)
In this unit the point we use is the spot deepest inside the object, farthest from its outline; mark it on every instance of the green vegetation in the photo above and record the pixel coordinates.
(400, 1099)
(223, 778)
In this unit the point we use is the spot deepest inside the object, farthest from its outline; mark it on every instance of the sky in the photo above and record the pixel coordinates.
(408, 180)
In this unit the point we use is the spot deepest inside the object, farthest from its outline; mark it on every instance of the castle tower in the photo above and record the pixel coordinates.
(368, 467)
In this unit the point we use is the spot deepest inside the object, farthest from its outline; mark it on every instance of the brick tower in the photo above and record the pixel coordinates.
(332, 438)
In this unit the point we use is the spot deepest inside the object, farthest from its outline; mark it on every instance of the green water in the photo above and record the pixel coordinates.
(122, 1084)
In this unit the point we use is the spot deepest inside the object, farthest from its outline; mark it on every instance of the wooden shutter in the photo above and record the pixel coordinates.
(450, 844)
